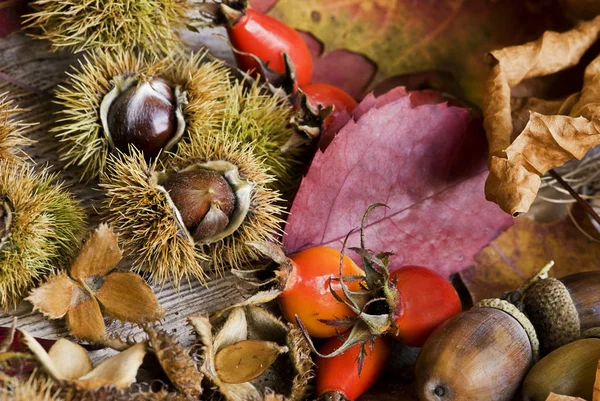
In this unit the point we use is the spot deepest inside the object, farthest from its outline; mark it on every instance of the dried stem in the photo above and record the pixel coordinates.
(586, 206)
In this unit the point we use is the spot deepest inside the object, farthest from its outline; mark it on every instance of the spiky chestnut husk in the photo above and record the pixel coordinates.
(253, 114)
(288, 375)
(150, 226)
(11, 132)
(42, 233)
(87, 24)
(32, 389)
(86, 97)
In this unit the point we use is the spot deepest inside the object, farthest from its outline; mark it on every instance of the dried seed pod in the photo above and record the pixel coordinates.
(128, 24)
(270, 354)
(569, 370)
(176, 362)
(562, 309)
(150, 219)
(40, 228)
(118, 99)
(11, 132)
(479, 354)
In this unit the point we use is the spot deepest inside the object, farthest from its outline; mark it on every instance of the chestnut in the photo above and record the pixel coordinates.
(145, 113)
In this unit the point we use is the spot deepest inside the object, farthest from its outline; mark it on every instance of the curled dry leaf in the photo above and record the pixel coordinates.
(91, 283)
(547, 141)
(421, 157)
(69, 363)
(243, 359)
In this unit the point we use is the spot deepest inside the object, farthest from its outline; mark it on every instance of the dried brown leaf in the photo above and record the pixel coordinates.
(70, 360)
(53, 298)
(119, 371)
(127, 297)
(246, 360)
(99, 255)
(546, 141)
(84, 318)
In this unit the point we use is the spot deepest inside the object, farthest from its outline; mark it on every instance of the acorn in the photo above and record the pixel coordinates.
(40, 229)
(569, 370)
(149, 25)
(116, 100)
(562, 309)
(480, 354)
(197, 214)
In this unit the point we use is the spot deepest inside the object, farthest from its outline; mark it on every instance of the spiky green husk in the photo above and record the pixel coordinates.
(148, 226)
(254, 115)
(79, 127)
(11, 132)
(118, 24)
(45, 230)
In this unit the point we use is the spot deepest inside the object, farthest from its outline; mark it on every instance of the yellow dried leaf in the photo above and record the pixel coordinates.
(70, 360)
(99, 255)
(127, 297)
(84, 318)
(119, 371)
(246, 360)
(546, 141)
(557, 397)
(53, 298)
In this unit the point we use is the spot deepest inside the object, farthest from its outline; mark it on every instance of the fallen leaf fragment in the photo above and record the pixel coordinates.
(547, 141)
(557, 397)
(425, 161)
(92, 282)
(518, 254)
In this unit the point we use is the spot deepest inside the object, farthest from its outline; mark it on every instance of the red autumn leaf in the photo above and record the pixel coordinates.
(10, 15)
(426, 161)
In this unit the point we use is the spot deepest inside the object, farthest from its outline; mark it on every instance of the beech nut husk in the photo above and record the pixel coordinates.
(145, 113)
(479, 354)
(562, 309)
(569, 370)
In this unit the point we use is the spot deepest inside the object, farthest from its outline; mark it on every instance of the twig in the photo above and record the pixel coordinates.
(586, 206)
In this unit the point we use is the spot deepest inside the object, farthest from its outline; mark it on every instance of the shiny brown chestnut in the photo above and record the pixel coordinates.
(479, 354)
(569, 370)
(145, 113)
(562, 309)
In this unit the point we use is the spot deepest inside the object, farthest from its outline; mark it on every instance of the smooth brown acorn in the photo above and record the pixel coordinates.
(569, 370)
(143, 113)
(479, 354)
(204, 199)
(561, 310)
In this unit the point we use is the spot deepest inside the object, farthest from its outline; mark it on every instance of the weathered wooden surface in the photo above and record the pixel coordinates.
(30, 65)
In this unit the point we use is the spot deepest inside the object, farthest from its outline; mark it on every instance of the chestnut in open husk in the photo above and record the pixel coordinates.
(479, 354)
(562, 309)
(569, 370)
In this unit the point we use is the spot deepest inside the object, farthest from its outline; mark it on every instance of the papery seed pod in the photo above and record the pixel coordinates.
(116, 99)
(128, 24)
(150, 220)
(40, 228)
(11, 132)
(569, 370)
(562, 309)
(268, 355)
(480, 354)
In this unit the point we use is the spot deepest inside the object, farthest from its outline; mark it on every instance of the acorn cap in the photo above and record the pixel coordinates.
(519, 316)
(552, 311)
